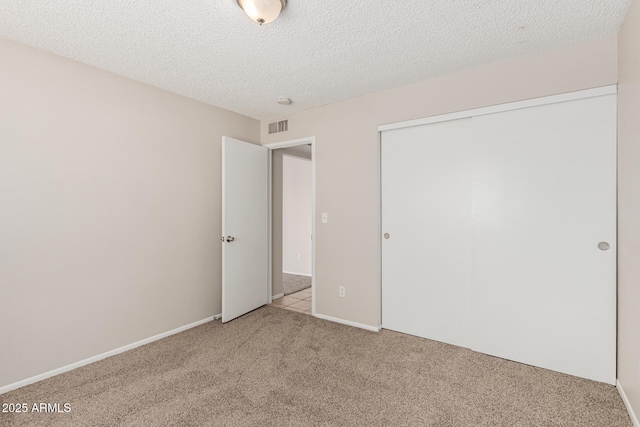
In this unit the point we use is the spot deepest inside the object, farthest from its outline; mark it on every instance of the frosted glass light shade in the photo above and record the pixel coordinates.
(262, 11)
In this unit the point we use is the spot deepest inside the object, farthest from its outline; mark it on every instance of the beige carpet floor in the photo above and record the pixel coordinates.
(275, 367)
(292, 283)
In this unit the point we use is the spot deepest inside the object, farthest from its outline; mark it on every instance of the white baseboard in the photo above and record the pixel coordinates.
(110, 353)
(634, 418)
(277, 296)
(297, 274)
(347, 322)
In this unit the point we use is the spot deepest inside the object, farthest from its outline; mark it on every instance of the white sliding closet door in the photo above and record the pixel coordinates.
(544, 197)
(426, 272)
(494, 224)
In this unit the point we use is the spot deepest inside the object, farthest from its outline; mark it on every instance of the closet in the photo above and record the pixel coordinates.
(499, 231)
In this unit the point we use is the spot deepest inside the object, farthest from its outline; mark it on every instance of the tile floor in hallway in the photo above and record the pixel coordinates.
(299, 301)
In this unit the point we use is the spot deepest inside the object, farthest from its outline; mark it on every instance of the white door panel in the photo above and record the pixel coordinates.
(544, 196)
(494, 227)
(427, 213)
(245, 220)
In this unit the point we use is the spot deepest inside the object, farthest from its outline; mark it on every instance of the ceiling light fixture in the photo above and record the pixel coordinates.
(262, 11)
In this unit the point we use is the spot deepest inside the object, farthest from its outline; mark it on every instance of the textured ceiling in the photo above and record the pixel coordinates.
(317, 52)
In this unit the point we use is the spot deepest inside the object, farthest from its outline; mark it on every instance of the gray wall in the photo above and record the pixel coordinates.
(629, 207)
(110, 215)
(296, 215)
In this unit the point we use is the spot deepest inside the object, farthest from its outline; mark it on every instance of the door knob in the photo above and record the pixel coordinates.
(603, 246)
(230, 239)
(386, 235)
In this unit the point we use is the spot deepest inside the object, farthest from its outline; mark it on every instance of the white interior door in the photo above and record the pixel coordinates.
(494, 224)
(245, 195)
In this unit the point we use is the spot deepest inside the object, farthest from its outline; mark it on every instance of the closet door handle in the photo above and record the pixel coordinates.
(230, 239)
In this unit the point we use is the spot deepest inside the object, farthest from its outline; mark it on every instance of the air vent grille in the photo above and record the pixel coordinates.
(281, 126)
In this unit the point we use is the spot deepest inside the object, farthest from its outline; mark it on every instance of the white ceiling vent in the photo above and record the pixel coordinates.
(281, 126)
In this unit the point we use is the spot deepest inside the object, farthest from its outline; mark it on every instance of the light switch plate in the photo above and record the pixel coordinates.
(325, 217)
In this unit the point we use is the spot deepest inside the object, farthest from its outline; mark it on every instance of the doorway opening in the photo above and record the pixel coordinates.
(292, 249)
